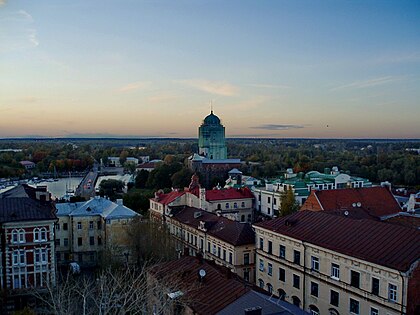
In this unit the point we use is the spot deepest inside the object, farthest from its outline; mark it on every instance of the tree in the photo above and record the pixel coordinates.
(182, 178)
(288, 203)
(150, 241)
(141, 179)
(111, 188)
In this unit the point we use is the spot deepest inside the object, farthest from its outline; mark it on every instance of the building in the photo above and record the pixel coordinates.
(330, 264)
(228, 243)
(28, 165)
(192, 285)
(367, 203)
(413, 204)
(85, 229)
(211, 138)
(235, 204)
(212, 162)
(268, 197)
(237, 180)
(116, 161)
(27, 260)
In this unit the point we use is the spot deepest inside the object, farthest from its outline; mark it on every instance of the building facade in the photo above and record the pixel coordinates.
(211, 138)
(268, 196)
(226, 242)
(328, 264)
(85, 229)
(27, 260)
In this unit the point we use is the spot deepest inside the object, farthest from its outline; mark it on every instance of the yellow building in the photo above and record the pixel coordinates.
(328, 264)
(85, 229)
(228, 243)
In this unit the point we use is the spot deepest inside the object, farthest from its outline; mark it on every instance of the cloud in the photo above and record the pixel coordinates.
(2, 2)
(135, 86)
(162, 98)
(277, 127)
(21, 34)
(212, 87)
(270, 86)
(367, 83)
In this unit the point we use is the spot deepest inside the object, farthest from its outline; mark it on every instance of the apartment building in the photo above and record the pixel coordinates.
(329, 264)
(228, 243)
(235, 204)
(27, 218)
(85, 229)
(268, 197)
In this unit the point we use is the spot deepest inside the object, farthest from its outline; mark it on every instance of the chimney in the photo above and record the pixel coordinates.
(256, 310)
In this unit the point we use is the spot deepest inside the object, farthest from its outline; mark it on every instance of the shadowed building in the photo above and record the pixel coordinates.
(211, 141)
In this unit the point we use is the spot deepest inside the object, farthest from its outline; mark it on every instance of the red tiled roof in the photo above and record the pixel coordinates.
(233, 232)
(214, 293)
(230, 193)
(169, 197)
(381, 243)
(406, 220)
(377, 201)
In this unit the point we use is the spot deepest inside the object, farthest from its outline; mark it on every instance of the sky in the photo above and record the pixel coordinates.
(280, 69)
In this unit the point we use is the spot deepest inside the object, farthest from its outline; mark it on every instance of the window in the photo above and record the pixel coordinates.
(66, 242)
(355, 279)
(90, 225)
(268, 210)
(392, 292)
(296, 281)
(99, 241)
(334, 298)
(270, 269)
(92, 240)
(268, 199)
(261, 265)
(57, 226)
(261, 243)
(313, 310)
(214, 250)
(246, 274)
(243, 204)
(99, 225)
(314, 289)
(15, 236)
(65, 226)
(269, 288)
(227, 205)
(224, 254)
(18, 257)
(335, 271)
(315, 263)
(79, 225)
(374, 311)
(79, 241)
(246, 259)
(43, 234)
(219, 251)
(235, 205)
(208, 247)
(230, 258)
(274, 201)
(57, 242)
(282, 274)
(201, 243)
(18, 236)
(282, 252)
(41, 256)
(270, 247)
(354, 306)
(375, 286)
(296, 257)
(261, 283)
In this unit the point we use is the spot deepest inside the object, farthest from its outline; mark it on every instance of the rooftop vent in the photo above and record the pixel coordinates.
(197, 214)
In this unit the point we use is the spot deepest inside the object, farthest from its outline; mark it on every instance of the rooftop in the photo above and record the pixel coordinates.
(230, 193)
(376, 201)
(232, 232)
(385, 244)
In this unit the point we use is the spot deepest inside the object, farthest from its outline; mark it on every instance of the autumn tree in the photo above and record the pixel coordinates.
(288, 202)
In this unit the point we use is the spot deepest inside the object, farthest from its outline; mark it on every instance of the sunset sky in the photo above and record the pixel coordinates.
(313, 69)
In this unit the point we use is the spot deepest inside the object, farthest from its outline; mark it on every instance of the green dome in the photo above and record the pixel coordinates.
(212, 119)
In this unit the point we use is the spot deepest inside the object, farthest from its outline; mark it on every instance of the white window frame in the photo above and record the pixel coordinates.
(261, 265)
(392, 292)
(335, 271)
(315, 263)
(374, 311)
(358, 306)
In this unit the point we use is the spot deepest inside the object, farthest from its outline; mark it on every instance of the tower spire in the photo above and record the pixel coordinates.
(211, 107)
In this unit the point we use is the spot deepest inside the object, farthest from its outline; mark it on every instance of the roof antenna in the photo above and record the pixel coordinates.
(211, 106)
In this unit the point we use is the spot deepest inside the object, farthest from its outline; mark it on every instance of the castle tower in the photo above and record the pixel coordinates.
(211, 138)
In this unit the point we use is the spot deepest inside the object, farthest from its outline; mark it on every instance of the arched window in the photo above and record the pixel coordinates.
(282, 294)
(261, 283)
(235, 205)
(243, 204)
(333, 311)
(249, 218)
(21, 236)
(15, 236)
(296, 301)
(36, 235)
(227, 205)
(43, 234)
(243, 218)
(313, 310)
(219, 206)
(269, 288)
